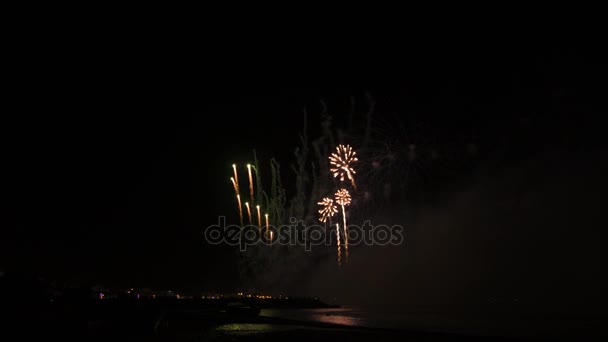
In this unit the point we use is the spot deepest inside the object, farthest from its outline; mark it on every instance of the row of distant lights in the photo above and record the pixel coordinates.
(261, 296)
(240, 294)
(153, 296)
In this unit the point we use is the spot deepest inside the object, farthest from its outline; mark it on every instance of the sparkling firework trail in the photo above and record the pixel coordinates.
(259, 218)
(345, 240)
(338, 243)
(236, 187)
(236, 178)
(238, 198)
(341, 161)
(343, 199)
(266, 215)
(248, 212)
(328, 210)
(250, 183)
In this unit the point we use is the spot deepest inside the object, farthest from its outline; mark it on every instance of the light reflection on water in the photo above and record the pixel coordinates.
(252, 328)
(343, 316)
(507, 325)
(347, 317)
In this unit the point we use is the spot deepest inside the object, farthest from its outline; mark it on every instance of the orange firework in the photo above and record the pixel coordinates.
(250, 183)
(236, 177)
(338, 244)
(236, 187)
(266, 215)
(341, 161)
(238, 199)
(248, 212)
(259, 217)
(343, 199)
(328, 210)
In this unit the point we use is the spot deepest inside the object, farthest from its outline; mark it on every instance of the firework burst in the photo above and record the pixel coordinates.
(341, 161)
(343, 199)
(328, 210)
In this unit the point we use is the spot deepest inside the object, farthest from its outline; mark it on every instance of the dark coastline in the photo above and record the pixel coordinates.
(189, 320)
(78, 312)
(229, 320)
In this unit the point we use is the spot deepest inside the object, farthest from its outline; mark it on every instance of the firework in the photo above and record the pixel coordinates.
(259, 217)
(343, 199)
(341, 161)
(346, 244)
(238, 199)
(250, 183)
(248, 212)
(338, 244)
(236, 178)
(328, 210)
(236, 187)
(266, 215)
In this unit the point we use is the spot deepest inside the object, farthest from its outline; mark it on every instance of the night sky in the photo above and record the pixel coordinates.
(112, 179)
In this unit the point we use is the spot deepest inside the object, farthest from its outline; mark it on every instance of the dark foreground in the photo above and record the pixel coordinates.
(190, 321)
(228, 320)
(223, 326)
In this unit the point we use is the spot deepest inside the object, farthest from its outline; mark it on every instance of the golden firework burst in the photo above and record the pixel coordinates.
(341, 161)
(328, 210)
(343, 197)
